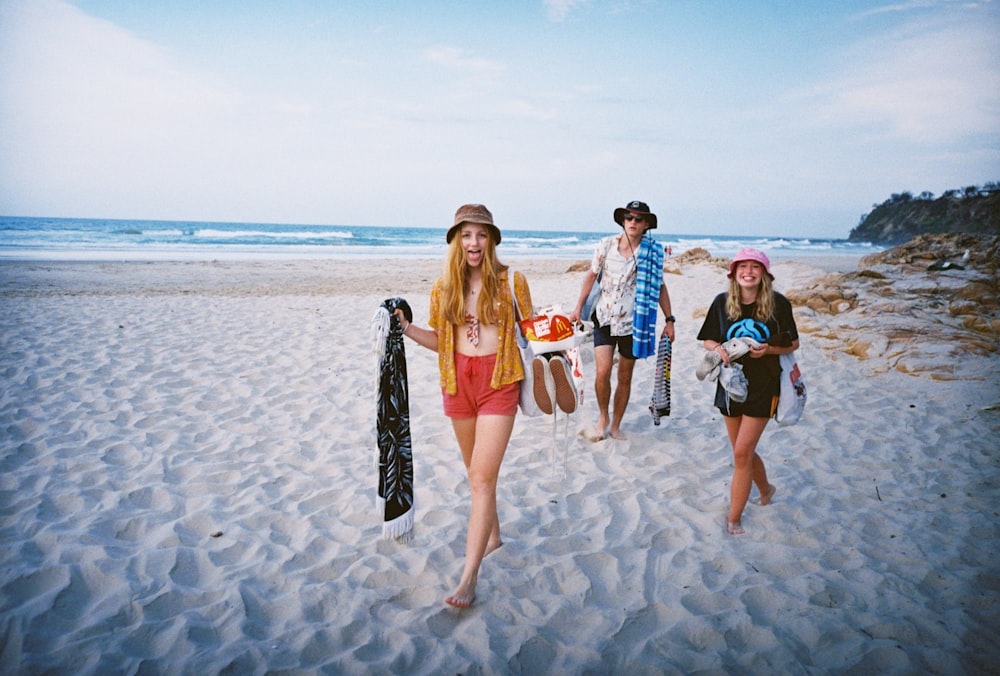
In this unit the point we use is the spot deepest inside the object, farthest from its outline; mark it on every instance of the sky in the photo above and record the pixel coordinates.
(787, 118)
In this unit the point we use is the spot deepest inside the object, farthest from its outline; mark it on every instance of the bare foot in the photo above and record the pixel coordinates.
(462, 598)
(619, 435)
(766, 499)
(592, 433)
(734, 528)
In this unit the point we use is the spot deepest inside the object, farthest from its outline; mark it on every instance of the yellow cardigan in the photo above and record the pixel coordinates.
(508, 368)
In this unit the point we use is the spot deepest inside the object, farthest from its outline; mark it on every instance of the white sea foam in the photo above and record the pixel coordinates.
(95, 239)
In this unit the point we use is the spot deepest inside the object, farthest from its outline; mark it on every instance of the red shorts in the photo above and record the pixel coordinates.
(475, 397)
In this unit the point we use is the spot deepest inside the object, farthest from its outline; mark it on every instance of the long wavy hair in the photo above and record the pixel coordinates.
(456, 284)
(764, 308)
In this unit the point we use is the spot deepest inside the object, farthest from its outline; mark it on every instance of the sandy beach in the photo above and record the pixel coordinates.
(188, 486)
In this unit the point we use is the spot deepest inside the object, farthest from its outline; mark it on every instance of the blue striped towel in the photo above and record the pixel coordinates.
(649, 278)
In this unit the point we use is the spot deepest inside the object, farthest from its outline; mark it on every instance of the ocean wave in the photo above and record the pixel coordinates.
(271, 235)
(527, 239)
(165, 239)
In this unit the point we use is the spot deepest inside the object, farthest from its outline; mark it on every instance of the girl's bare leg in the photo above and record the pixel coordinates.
(489, 435)
(760, 480)
(744, 433)
(465, 433)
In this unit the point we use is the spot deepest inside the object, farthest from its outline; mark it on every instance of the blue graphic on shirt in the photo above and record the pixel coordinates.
(749, 328)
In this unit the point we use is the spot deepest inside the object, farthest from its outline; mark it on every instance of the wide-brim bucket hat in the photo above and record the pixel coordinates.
(750, 255)
(473, 213)
(636, 207)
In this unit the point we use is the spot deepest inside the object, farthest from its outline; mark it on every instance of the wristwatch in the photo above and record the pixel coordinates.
(670, 318)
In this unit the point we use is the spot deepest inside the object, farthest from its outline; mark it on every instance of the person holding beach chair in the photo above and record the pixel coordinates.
(743, 324)
(629, 266)
(472, 329)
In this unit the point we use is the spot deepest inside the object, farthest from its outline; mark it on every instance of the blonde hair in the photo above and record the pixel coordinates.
(763, 309)
(456, 283)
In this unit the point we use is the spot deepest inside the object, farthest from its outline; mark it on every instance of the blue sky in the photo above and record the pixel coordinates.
(771, 118)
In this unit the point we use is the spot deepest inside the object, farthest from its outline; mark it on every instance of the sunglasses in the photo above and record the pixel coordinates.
(634, 217)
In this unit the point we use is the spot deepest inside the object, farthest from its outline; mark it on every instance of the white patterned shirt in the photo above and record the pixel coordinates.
(616, 304)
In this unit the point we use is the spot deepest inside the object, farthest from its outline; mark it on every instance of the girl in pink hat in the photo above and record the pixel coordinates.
(750, 308)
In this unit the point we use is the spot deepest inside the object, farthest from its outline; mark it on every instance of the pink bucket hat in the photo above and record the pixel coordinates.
(750, 255)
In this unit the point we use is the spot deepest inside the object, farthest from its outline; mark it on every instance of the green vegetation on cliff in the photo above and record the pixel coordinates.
(903, 216)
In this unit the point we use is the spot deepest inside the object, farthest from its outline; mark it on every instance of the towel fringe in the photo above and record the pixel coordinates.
(379, 331)
(400, 528)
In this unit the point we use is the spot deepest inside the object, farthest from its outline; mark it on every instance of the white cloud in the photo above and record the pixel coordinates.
(915, 5)
(528, 111)
(908, 6)
(97, 121)
(558, 10)
(461, 60)
(87, 101)
(929, 83)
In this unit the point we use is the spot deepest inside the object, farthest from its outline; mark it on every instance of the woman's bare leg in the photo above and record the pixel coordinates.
(744, 433)
(760, 480)
(489, 436)
(465, 433)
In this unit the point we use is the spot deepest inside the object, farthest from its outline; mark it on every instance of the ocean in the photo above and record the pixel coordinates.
(81, 239)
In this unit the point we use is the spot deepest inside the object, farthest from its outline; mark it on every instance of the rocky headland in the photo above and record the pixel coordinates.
(904, 216)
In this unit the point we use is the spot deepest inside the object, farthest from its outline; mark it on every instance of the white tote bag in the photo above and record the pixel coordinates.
(526, 399)
(792, 400)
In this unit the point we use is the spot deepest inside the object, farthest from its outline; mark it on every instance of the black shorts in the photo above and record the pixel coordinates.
(763, 407)
(602, 336)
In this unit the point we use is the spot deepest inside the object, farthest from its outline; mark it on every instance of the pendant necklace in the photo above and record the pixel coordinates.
(472, 329)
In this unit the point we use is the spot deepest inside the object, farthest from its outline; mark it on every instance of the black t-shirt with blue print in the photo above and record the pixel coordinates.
(762, 374)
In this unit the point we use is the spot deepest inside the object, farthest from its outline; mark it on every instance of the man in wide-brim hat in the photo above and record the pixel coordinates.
(636, 208)
(629, 267)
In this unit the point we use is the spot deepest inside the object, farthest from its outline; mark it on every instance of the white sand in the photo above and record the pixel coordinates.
(187, 487)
